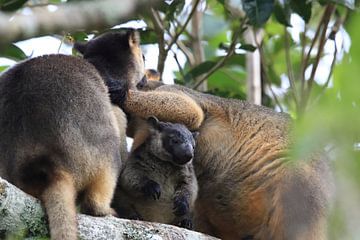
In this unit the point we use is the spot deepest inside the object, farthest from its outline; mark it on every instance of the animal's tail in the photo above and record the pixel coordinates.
(56, 189)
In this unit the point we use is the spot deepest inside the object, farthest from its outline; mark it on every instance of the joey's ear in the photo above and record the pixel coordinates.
(134, 38)
(153, 121)
(80, 47)
(195, 134)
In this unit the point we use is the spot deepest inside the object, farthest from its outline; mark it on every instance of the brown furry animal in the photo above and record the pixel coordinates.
(248, 186)
(158, 181)
(59, 134)
(59, 138)
(118, 58)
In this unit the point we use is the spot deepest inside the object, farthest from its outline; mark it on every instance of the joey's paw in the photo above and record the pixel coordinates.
(181, 206)
(151, 189)
(186, 223)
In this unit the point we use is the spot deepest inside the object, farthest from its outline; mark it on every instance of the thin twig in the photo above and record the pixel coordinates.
(317, 33)
(325, 86)
(61, 43)
(222, 61)
(188, 54)
(303, 46)
(289, 68)
(277, 102)
(177, 34)
(179, 25)
(159, 30)
(331, 70)
(181, 70)
(266, 74)
(322, 41)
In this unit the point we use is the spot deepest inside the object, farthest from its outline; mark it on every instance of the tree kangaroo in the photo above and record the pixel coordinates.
(158, 182)
(248, 186)
(60, 138)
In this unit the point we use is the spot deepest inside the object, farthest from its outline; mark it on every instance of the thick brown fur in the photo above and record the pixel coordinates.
(248, 186)
(118, 58)
(158, 181)
(59, 137)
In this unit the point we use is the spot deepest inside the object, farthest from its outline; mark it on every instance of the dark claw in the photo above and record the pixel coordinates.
(181, 206)
(151, 189)
(186, 223)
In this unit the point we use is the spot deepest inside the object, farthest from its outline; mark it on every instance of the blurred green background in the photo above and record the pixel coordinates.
(300, 57)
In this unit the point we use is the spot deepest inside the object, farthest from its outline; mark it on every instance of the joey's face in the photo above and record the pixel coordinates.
(174, 142)
(179, 142)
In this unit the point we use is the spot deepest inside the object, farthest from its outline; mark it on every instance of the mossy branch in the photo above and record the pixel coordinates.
(83, 15)
(22, 216)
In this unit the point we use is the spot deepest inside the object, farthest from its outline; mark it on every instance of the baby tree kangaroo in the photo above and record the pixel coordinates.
(59, 137)
(158, 182)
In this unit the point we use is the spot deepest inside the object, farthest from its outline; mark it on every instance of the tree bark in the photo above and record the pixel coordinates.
(198, 49)
(85, 15)
(22, 215)
(253, 68)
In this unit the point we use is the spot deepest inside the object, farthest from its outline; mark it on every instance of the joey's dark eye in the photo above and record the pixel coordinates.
(174, 141)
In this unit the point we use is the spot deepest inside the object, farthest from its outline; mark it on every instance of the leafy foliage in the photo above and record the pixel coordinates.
(11, 5)
(296, 38)
(258, 11)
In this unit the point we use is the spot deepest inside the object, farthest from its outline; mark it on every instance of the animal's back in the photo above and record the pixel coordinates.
(51, 103)
(249, 188)
(58, 136)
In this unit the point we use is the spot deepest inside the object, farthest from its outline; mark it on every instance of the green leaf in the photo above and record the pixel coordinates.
(247, 47)
(303, 8)
(13, 52)
(79, 36)
(258, 11)
(282, 13)
(199, 69)
(174, 9)
(3, 68)
(11, 5)
(228, 82)
(347, 3)
(148, 36)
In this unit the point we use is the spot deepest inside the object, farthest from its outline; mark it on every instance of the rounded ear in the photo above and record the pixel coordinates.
(134, 37)
(80, 47)
(195, 134)
(153, 121)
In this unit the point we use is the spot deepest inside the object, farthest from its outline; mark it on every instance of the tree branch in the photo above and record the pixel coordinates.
(289, 68)
(328, 12)
(181, 70)
(70, 17)
(159, 30)
(177, 34)
(266, 74)
(23, 214)
(187, 52)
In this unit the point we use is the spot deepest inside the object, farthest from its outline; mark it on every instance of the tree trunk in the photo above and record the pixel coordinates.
(253, 68)
(22, 216)
(198, 50)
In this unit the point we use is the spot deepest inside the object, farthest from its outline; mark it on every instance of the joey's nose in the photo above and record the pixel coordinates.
(185, 156)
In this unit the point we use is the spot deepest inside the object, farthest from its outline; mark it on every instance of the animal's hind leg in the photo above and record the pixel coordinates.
(99, 193)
